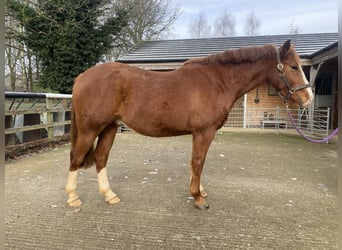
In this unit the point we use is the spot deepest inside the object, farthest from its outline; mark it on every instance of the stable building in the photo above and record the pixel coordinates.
(318, 53)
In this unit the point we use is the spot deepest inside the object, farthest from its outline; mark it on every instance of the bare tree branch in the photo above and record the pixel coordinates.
(252, 24)
(148, 20)
(199, 27)
(224, 25)
(293, 28)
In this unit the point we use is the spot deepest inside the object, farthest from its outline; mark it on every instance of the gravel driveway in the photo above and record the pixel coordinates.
(265, 192)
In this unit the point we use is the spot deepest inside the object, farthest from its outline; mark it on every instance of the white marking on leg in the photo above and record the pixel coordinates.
(201, 187)
(70, 188)
(104, 187)
(202, 191)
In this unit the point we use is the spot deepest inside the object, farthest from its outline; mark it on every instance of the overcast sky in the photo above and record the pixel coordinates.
(311, 16)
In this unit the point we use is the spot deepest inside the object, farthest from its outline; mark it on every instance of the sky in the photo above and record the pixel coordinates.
(311, 16)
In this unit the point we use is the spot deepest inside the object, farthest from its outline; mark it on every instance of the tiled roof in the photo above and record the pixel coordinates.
(179, 50)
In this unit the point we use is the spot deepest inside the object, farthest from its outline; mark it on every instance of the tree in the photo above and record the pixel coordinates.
(199, 27)
(12, 52)
(146, 20)
(293, 28)
(224, 25)
(18, 58)
(252, 24)
(66, 36)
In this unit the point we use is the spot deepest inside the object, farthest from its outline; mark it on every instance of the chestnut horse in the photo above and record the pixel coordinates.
(193, 99)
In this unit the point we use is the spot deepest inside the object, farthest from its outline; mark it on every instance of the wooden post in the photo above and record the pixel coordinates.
(49, 117)
(10, 139)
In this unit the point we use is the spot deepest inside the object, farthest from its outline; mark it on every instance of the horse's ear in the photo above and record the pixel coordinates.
(285, 48)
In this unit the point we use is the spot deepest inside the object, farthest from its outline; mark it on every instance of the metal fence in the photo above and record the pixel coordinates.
(313, 122)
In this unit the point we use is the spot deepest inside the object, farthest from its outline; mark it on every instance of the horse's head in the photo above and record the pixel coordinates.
(290, 80)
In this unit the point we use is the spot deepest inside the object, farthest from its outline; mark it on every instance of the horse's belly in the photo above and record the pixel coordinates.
(157, 129)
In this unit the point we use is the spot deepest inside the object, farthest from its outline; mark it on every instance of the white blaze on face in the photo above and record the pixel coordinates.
(308, 90)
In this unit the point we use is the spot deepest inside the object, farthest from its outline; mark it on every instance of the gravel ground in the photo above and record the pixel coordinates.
(265, 192)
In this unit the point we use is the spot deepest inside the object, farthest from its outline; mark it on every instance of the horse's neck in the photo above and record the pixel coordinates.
(247, 76)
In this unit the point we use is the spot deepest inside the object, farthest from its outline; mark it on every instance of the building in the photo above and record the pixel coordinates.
(318, 53)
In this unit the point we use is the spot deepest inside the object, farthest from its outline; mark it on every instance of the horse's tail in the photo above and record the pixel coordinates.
(89, 158)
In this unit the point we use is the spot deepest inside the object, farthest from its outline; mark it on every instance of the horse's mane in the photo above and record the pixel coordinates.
(246, 54)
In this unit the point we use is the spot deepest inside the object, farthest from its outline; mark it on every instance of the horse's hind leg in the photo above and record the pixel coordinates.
(77, 156)
(70, 188)
(104, 144)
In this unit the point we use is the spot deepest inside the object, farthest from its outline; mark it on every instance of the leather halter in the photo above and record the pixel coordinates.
(291, 90)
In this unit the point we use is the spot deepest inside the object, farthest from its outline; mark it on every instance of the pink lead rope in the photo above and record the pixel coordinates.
(307, 138)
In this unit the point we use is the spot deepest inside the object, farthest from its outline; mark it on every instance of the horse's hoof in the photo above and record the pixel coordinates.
(202, 207)
(75, 203)
(114, 200)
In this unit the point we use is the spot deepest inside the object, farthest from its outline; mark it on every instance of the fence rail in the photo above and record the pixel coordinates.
(35, 116)
(31, 116)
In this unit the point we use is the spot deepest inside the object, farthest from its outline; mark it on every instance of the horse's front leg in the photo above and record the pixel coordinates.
(204, 194)
(200, 145)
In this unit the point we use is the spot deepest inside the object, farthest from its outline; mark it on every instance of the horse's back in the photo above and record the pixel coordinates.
(97, 74)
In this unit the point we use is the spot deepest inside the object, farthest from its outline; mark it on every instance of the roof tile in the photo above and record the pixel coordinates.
(183, 49)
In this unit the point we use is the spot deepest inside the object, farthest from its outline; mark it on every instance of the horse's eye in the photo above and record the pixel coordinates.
(294, 67)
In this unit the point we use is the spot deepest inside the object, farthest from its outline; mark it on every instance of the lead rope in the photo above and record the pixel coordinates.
(306, 137)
